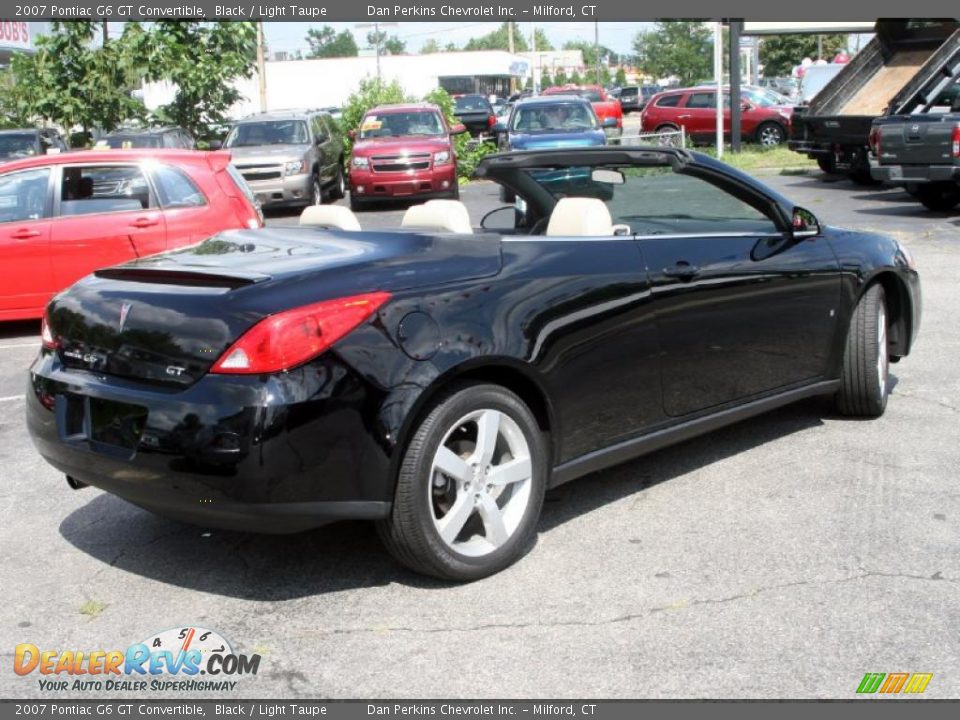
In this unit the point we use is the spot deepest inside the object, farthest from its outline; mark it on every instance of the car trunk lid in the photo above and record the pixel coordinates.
(166, 319)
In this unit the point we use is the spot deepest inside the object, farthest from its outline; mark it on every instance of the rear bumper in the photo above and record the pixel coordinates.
(366, 185)
(276, 454)
(289, 190)
(908, 174)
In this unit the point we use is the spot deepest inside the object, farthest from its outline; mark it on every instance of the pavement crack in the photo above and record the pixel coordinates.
(931, 401)
(629, 617)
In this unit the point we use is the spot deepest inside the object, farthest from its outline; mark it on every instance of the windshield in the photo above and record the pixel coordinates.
(472, 102)
(268, 132)
(402, 124)
(762, 98)
(17, 145)
(124, 142)
(554, 117)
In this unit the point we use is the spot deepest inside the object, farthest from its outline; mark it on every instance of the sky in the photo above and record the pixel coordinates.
(290, 36)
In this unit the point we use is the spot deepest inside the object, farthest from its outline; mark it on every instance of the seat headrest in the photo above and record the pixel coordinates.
(441, 215)
(580, 217)
(330, 216)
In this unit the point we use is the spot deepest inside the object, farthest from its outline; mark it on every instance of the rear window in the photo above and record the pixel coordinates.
(669, 101)
(591, 95)
(175, 189)
(124, 142)
(628, 92)
(472, 102)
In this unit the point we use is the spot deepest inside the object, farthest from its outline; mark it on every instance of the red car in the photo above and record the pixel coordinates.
(64, 216)
(762, 119)
(403, 151)
(604, 105)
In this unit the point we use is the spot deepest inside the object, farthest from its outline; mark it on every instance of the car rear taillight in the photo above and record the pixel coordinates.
(290, 338)
(873, 140)
(47, 338)
(955, 141)
(491, 121)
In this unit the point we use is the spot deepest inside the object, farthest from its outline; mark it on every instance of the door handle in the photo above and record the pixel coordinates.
(682, 117)
(682, 270)
(24, 234)
(144, 222)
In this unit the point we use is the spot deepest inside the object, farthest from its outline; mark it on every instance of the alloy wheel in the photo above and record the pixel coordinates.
(770, 136)
(480, 483)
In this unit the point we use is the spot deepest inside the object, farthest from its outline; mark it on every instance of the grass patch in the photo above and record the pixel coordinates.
(92, 608)
(757, 158)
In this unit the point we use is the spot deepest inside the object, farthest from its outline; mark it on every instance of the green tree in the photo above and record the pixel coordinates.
(674, 47)
(72, 82)
(451, 47)
(576, 79)
(546, 81)
(499, 40)
(394, 46)
(201, 60)
(621, 77)
(560, 77)
(779, 54)
(430, 46)
(590, 53)
(327, 42)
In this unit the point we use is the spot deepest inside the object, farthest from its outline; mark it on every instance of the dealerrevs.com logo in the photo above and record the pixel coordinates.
(187, 659)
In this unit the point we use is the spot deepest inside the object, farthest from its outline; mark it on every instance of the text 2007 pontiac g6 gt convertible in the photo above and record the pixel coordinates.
(439, 379)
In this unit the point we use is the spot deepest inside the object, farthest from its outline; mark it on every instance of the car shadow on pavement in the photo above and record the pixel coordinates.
(349, 555)
(22, 330)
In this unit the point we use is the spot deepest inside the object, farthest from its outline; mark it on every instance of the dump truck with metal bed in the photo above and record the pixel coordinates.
(902, 70)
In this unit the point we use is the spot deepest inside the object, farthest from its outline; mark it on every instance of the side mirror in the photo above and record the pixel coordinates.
(320, 139)
(609, 123)
(352, 134)
(458, 129)
(214, 144)
(499, 127)
(804, 224)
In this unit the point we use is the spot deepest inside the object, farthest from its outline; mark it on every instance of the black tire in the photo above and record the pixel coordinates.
(338, 188)
(826, 163)
(864, 384)
(356, 204)
(939, 196)
(770, 134)
(862, 176)
(455, 193)
(316, 191)
(410, 533)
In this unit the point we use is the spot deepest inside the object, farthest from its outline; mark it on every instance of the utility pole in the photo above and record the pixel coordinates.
(596, 48)
(106, 33)
(535, 57)
(377, 40)
(261, 67)
(510, 47)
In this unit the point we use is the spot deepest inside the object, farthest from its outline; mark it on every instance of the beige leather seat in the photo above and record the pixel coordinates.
(580, 217)
(439, 215)
(330, 216)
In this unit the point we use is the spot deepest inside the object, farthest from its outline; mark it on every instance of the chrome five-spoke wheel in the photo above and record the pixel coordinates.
(470, 485)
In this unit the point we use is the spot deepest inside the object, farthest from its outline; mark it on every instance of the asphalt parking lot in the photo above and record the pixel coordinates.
(782, 557)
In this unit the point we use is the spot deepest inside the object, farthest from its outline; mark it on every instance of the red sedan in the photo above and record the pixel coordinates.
(64, 216)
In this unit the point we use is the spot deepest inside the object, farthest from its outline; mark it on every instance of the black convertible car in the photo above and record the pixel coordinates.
(440, 378)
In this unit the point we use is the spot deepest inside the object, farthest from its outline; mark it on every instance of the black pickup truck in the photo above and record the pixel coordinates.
(905, 69)
(475, 112)
(920, 153)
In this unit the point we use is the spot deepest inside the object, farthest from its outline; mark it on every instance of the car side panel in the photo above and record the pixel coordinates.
(573, 315)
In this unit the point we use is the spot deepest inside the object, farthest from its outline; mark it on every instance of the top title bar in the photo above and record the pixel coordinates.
(456, 10)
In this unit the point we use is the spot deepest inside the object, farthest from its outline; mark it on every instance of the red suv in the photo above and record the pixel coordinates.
(695, 109)
(403, 151)
(64, 216)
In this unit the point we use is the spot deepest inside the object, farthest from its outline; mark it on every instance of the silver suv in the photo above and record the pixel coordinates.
(290, 157)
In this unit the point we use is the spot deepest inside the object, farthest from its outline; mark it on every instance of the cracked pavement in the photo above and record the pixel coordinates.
(782, 557)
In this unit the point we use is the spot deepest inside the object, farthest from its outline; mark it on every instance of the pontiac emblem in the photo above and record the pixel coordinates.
(124, 311)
